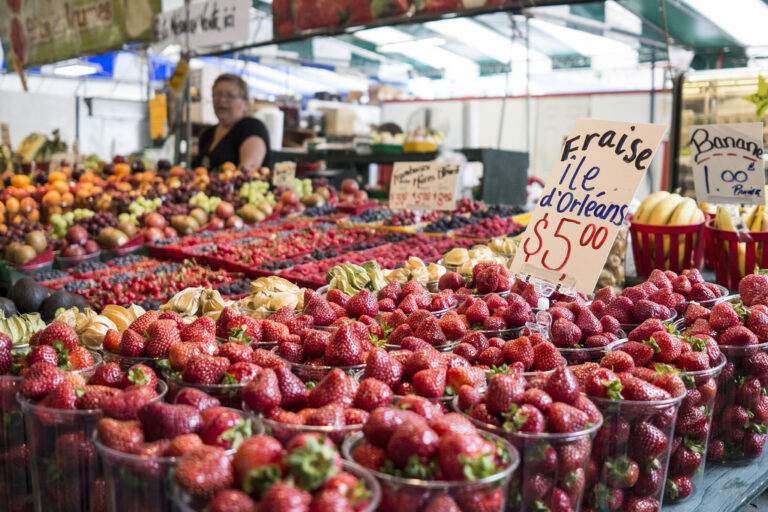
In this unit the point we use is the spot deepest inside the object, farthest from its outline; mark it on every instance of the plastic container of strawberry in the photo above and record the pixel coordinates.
(145, 483)
(631, 327)
(557, 459)
(227, 394)
(724, 296)
(580, 355)
(64, 466)
(740, 418)
(401, 494)
(14, 472)
(630, 453)
(185, 503)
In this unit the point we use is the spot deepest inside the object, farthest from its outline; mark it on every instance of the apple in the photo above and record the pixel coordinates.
(216, 223)
(91, 246)
(234, 222)
(77, 235)
(153, 234)
(290, 197)
(155, 220)
(118, 159)
(73, 251)
(225, 210)
(169, 232)
(349, 186)
(361, 195)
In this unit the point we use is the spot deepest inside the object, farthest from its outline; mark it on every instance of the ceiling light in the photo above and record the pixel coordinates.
(404, 46)
(76, 69)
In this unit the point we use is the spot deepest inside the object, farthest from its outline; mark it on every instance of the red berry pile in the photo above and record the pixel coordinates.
(489, 228)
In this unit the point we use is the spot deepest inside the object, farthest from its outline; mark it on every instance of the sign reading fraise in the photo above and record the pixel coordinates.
(423, 186)
(585, 201)
(283, 174)
(727, 161)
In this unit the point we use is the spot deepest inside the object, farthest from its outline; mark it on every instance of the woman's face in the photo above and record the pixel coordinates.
(228, 104)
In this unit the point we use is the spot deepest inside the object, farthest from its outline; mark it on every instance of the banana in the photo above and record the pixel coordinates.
(648, 204)
(757, 222)
(724, 221)
(685, 213)
(662, 213)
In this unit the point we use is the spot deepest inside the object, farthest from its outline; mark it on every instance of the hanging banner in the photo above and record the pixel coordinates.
(423, 186)
(727, 162)
(585, 201)
(210, 23)
(36, 32)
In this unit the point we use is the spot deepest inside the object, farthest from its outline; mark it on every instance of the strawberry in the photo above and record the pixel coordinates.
(257, 463)
(274, 332)
(222, 323)
(43, 354)
(166, 421)
(108, 374)
(659, 279)
(142, 323)
(753, 444)
(640, 390)
(428, 410)
(139, 375)
(344, 348)
(723, 316)
(563, 418)
(204, 369)
(63, 396)
(132, 343)
(519, 349)
(123, 436)
(609, 324)
(413, 440)
(751, 286)
(362, 303)
(503, 391)
(283, 315)
(546, 357)
(381, 366)
(562, 385)
(429, 330)
(231, 500)
(605, 294)
(646, 442)
(468, 397)
(588, 324)
(604, 383)
(738, 335)
(693, 361)
(204, 472)
(225, 428)
(487, 280)
(477, 313)
(334, 388)
(293, 393)
(111, 341)
(644, 309)
(382, 423)
(693, 312)
(669, 382)
(646, 329)
(162, 335)
(701, 292)
(79, 358)
(715, 449)
(621, 309)
(677, 488)
(126, 405)
(618, 361)
(60, 332)
(263, 393)
(202, 329)
(641, 504)
(94, 396)
(244, 329)
(667, 347)
(372, 393)
(320, 310)
(299, 324)
(236, 352)
(465, 456)
(640, 353)
(200, 400)
(284, 497)
(430, 382)
(39, 380)
(565, 334)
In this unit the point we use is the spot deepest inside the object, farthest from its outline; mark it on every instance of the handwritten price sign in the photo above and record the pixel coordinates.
(585, 201)
(283, 174)
(727, 163)
(423, 186)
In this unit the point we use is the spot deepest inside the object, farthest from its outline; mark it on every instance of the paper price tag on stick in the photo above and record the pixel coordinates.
(283, 174)
(727, 161)
(423, 186)
(572, 229)
(5, 134)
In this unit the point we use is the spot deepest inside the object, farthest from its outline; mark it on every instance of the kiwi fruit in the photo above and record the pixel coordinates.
(36, 239)
(25, 253)
(127, 227)
(199, 215)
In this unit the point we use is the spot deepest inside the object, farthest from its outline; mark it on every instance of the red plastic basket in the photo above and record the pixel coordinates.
(659, 247)
(708, 243)
(723, 248)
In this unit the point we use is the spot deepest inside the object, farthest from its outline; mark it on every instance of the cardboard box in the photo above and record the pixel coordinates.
(339, 121)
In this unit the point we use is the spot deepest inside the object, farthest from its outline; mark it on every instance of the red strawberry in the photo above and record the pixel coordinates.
(646, 442)
(519, 349)
(609, 324)
(344, 348)
(604, 383)
(166, 421)
(618, 361)
(669, 382)
(139, 375)
(244, 329)
(142, 323)
(640, 390)
(461, 455)
(693, 361)
(40, 379)
(562, 386)
(723, 316)
(63, 396)
(132, 343)
(563, 418)
(320, 310)
(94, 397)
(222, 323)
(503, 391)
(108, 374)
(162, 335)
(677, 488)
(111, 341)
(126, 405)
(123, 436)
(477, 313)
(738, 335)
(231, 500)
(263, 393)
(429, 330)
(753, 444)
(751, 286)
(667, 347)
(565, 334)
(204, 369)
(381, 366)
(546, 357)
(644, 309)
(701, 292)
(430, 382)
(372, 393)
(284, 497)
(641, 353)
(693, 312)
(659, 279)
(334, 388)
(413, 438)
(205, 471)
(362, 303)
(621, 309)
(646, 329)
(588, 324)
(196, 398)
(60, 332)
(43, 354)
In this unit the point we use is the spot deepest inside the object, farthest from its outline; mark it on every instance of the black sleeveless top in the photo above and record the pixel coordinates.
(228, 148)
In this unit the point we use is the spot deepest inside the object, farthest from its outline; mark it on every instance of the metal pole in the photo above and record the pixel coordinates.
(528, 87)
(188, 134)
(652, 116)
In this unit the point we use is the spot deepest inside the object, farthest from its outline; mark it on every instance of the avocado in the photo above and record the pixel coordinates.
(28, 295)
(7, 307)
(58, 299)
(79, 302)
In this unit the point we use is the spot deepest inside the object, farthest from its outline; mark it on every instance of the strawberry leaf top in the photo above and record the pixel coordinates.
(757, 427)
(238, 433)
(618, 468)
(312, 464)
(652, 343)
(613, 388)
(479, 468)
(262, 478)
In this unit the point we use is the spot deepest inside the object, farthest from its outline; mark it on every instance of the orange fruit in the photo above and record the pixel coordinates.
(12, 205)
(202, 171)
(122, 169)
(27, 205)
(57, 176)
(20, 180)
(67, 199)
(34, 215)
(60, 186)
(51, 198)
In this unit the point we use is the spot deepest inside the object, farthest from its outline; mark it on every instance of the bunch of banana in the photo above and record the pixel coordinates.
(665, 209)
(9, 161)
(755, 219)
(31, 146)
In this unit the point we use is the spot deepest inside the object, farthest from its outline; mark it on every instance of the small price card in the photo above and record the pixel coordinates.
(283, 174)
(5, 134)
(727, 161)
(423, 186)
(585, 201)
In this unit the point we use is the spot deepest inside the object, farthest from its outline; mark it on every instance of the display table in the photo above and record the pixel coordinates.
(726, 488)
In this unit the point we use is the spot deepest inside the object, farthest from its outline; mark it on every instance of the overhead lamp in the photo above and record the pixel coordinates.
(404, 46)
(77, 69)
